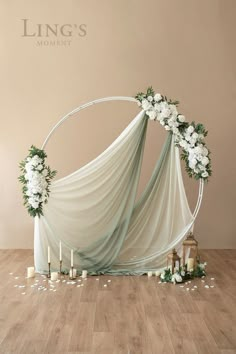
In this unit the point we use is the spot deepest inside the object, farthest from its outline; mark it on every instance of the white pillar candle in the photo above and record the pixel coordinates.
(71, 258)
(190, 264)
(30, 272)
(149, 274)
(48, 254)
(157, 273)
(74, 273)
(60, 253)
(84, 274)
(54, 276)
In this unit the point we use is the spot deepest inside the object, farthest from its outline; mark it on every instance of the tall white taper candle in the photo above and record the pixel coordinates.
(48, 254)
(71, 258)
(60, 252)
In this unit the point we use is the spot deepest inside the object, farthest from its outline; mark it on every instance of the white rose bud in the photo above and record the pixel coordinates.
(150, 98)
(158, 97)
(181, 118)
(190, 129)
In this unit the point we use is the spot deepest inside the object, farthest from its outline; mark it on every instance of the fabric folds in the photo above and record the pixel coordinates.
(93, 210)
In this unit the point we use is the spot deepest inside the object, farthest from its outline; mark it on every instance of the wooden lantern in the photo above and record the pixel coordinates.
(192, 244)
(173, 258)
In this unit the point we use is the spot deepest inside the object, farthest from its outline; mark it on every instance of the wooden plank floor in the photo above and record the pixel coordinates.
(129, 315)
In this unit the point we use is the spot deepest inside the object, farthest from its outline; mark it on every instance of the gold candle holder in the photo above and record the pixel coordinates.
(49, 270)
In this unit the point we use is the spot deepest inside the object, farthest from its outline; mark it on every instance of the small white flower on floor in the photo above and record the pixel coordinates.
(195, 286)
(97, 279)
(187, 289)
(192, 289)
(212, 286)
(207, 286)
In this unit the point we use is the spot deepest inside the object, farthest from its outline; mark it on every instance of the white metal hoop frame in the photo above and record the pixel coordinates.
(120, 98)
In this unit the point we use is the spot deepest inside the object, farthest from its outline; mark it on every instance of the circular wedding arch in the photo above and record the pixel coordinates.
(119, 98)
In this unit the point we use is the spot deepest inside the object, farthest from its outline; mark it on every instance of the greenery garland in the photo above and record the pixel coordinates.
(36, 179)
(188, 136)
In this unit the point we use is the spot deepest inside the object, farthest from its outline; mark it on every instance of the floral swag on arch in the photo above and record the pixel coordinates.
(94, 210)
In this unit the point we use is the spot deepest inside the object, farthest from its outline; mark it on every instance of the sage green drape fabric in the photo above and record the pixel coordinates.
(93, 211)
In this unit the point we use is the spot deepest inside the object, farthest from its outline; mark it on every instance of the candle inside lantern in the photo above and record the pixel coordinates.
(84, 274)
(48, 254)
(71, 258)
(30, 272)
(54, 276)
(60, 252)
(149, 274)
(190, 264)
(73, 275)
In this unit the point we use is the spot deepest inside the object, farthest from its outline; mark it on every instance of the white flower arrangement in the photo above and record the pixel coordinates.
(188, 136)
(36, 178)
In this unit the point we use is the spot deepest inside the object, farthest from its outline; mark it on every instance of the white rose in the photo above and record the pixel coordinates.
(205, 174)
(205, 161)
(192, 141)
(183, 143)
(40, 167)
(146, 105)
(178, 278)
(205, 151)
(181, 118)
(45, 172)
(187, 137)
(192, 163)
(152, 115)
(173, 110)
(150, 98)
(190, 129)
(28, 159)
(175, 130)
(195, 135)
(158, 97)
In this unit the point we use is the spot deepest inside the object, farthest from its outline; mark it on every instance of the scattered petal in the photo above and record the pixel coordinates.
(181, 286)
(44, 280)
(212, 278)
(44, 289)
(195, 286)
(212, 286)
(192, 289)
(203, 276)
(15, 286)
(54, 290)
(159, 282)
(187, 289)
(23, 293)
(79, 280)
(207, 286)
(109, 281)
(78, 286)
(16, 277)
(10, 273)
(97, 278)
(105, 285)
(82, 284)
(203, 281)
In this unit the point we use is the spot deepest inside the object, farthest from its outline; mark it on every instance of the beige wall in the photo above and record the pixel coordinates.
(183, 48)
